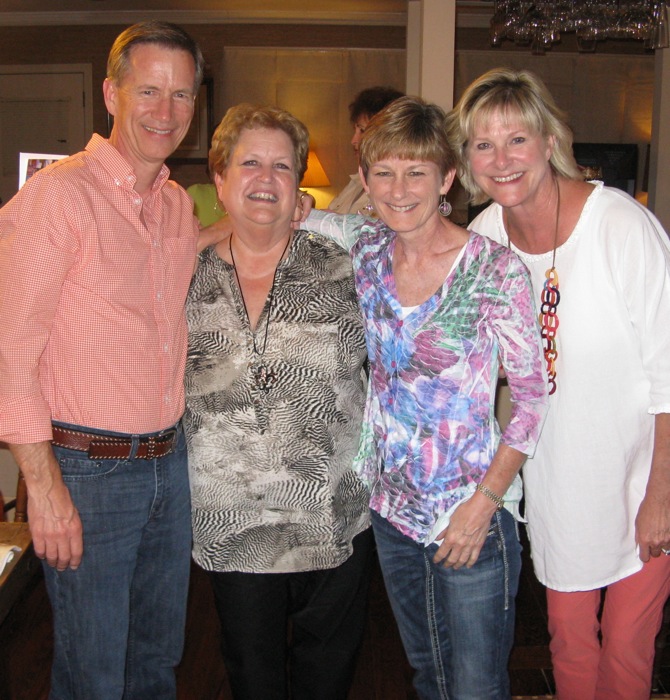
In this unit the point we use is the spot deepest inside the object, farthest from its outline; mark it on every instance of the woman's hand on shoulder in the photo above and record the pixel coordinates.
(305, 204)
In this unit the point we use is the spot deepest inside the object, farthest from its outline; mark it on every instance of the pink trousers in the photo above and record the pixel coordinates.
(619, 667)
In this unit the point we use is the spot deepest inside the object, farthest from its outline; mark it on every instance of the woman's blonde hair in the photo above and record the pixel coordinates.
(247, 116)
(517, 95)
(411, 129)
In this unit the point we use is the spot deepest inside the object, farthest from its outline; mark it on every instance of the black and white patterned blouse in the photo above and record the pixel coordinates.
(272, 438)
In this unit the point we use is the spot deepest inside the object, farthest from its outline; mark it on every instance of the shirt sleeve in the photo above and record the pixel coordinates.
(343, 229)
(37, 249)
(643, 268)
(518, 335)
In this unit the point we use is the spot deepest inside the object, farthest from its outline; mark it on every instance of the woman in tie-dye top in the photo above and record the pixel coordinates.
(443, 309)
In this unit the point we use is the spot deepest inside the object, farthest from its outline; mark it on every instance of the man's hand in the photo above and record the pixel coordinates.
(217, 232)
(54, 521)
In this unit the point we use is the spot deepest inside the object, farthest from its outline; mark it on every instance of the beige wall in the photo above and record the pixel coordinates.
(316, 45)
(315, 70)
(317, 87)
(608, 97)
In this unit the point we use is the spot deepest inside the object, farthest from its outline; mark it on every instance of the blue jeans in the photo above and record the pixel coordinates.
(119, 618)
(457, 626)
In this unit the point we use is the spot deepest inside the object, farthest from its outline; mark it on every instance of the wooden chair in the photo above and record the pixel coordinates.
(24, 565)
(19, 504)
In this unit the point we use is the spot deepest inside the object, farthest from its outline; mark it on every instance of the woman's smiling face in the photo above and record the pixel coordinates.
(406, 193)
(509, 162)
(259, 185)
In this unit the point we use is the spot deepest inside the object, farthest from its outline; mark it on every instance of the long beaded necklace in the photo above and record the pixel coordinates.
(264, 377)
(550, 298)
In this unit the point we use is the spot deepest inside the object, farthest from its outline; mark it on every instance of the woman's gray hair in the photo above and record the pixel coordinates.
(247, 116)
(516, 95)
(408, 128)
(164, 34)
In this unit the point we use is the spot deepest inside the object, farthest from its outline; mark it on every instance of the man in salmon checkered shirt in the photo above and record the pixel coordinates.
(96, 255)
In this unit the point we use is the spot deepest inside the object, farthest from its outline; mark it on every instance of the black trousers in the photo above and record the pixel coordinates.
(294, 635)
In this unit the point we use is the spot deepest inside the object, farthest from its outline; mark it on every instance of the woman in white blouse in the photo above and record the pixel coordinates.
(598, 487)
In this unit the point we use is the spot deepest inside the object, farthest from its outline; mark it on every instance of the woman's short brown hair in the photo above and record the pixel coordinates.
(516, 95)
(411, 129)
(247, 116)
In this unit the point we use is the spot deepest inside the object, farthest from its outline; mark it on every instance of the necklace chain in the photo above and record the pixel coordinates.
(550, 297)
(261, 352)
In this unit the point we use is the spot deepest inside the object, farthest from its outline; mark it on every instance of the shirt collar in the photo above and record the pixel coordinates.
(117, 166)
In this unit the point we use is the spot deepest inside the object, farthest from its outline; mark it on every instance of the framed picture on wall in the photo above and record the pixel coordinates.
(30, 163)
(195, 146)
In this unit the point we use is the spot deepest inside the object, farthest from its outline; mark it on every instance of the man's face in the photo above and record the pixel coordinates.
(152, 105)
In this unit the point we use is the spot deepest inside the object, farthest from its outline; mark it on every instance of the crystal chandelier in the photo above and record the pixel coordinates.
(540, 24)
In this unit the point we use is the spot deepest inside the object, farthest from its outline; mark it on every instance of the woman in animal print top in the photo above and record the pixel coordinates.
(275, 397)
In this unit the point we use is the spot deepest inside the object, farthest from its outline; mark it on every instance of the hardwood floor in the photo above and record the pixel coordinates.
(382, 674)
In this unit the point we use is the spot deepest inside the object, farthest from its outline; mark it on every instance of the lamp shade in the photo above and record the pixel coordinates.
(315, 176)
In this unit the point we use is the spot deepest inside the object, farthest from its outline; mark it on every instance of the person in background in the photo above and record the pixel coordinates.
(442, 308)
(96, 256)
(206, 205)
(275, 395)
(598, 486)
(366, 104)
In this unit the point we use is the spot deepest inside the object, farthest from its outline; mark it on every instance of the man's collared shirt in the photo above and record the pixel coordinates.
(92, 287)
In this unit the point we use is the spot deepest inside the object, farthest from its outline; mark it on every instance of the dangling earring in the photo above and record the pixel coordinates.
(368, 211)
(444, 207)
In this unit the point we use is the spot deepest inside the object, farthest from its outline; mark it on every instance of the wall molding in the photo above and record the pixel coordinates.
(17, 19)
(470, 14)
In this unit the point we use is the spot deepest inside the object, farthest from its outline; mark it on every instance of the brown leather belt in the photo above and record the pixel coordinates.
(111, 447)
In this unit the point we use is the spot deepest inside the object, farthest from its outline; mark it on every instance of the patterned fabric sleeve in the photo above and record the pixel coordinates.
(344, 229)
(518, 335)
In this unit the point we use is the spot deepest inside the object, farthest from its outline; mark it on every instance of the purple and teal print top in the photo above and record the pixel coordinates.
(430, 431)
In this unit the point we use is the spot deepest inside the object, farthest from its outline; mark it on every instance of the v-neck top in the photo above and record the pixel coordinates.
(270, 463)
(430, 431)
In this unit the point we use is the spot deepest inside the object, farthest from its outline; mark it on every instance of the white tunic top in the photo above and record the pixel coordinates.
(588, 476)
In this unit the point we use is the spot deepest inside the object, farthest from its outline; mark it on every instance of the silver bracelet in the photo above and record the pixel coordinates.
(492, 496)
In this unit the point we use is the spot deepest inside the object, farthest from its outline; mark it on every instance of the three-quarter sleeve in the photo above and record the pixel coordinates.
(643, 271)
(517, 332)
